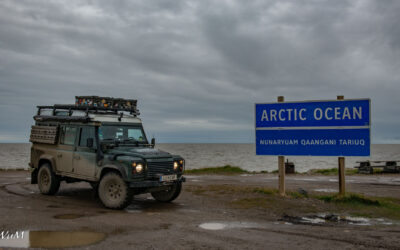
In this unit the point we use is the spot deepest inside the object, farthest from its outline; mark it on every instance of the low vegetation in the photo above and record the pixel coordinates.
(298, 202)
(332, 171)
(352, 199)
(366, 206)
(13, 169)
(227, 169)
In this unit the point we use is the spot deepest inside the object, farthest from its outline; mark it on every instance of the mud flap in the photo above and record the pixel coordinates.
(34, 173)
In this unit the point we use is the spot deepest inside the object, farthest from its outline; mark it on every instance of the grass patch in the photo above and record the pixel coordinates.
(296, 195)
(332, 171)
(227, 169)
(266, 191)
(353, 199)
(13, 169)
(365, 206)
(297, 202)
(247, 203)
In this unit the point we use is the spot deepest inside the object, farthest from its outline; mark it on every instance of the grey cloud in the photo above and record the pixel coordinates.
(196, 66)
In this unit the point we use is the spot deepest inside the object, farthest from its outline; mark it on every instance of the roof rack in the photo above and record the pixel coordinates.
(88, 105)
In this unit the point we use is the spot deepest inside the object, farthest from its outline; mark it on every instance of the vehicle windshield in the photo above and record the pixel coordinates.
(122, 134)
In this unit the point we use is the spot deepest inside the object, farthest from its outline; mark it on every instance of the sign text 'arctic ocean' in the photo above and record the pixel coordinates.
(315, 128)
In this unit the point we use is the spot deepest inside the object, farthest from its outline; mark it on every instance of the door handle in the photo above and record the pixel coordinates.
(59, 155)
(77, 157)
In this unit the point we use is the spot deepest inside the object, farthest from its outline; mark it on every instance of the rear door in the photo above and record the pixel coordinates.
(66, 148)
(84, 159)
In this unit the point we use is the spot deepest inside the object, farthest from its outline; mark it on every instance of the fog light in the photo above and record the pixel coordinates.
(139, 168)
(175, 165)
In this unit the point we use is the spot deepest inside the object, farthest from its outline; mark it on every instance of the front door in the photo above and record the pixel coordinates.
(84, 160)
(66, 148)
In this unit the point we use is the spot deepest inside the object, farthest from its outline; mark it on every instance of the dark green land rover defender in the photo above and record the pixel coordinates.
(101, 140)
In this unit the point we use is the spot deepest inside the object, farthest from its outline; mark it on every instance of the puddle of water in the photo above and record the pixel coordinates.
(326, 190)
(133, 208)
(53, 206)
(67, 216)
(313, 220)
(304, 179)
(357, 220)
(229, 225)
(212, 226)
(331, 219)
(51, 239)
(191, 176)
(189, 210)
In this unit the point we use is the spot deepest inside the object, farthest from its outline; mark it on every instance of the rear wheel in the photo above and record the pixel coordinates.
(48, 182)
(113, 191)
(168, 195)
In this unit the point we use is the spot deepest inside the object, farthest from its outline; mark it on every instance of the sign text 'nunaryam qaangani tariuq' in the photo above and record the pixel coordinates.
(314, 128)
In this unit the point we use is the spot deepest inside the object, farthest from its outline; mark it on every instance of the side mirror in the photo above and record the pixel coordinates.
(89, 142)
(153, 142)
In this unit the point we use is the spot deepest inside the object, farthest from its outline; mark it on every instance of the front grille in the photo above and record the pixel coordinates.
(157, 168)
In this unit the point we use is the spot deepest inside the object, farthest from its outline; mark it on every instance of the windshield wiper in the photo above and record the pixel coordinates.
(128, 140)
(108, 139)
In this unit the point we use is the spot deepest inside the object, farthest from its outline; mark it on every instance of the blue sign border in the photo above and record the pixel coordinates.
(312, 137)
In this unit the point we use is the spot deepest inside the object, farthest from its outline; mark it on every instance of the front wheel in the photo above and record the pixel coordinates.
(168, 195)
(48, 182)
(113, 191)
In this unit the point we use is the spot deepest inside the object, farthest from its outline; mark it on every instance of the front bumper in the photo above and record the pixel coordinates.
(149, 184)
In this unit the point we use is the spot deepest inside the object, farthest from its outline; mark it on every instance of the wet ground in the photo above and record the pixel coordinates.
(203, 217)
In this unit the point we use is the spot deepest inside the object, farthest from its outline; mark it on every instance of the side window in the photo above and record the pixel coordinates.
(86, 133)
(68, 134)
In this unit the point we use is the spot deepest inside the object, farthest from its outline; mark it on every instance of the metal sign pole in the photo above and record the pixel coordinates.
(281, 165)
(341, 163)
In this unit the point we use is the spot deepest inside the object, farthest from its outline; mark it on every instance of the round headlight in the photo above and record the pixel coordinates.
(175, 165)
(139, 168)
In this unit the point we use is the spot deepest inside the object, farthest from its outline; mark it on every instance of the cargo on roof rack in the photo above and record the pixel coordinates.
(105, 102)
(85, 105)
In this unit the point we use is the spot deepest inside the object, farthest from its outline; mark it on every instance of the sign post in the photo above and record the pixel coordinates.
(313, 128)
(281, 165)
(342, 167)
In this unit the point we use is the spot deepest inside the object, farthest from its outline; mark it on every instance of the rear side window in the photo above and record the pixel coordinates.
(86, 133)
(68, 135)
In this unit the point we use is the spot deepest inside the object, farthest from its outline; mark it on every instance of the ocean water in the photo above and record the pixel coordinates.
(200, 155)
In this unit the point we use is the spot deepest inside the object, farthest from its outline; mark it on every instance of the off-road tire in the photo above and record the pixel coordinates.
(114, 192)
(48, 182)
(168, 195)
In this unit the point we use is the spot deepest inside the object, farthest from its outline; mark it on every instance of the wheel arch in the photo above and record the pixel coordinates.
(112, 168)
(47, 159)
(43, 160)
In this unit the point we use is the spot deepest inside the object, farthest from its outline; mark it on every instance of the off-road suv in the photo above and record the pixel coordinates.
(101, 140)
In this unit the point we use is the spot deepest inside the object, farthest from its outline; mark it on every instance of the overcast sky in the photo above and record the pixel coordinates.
(198, 67)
